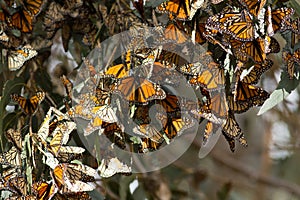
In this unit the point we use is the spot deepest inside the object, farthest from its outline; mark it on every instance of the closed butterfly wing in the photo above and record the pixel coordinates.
(11, 157)
(210, 128)
(112, 166)
(18, 185)
(17, 58)
(148, 145)
(231, 142)
(14, 136)
(105, 113)
(232, 129)
(68, 86)
(291, 61)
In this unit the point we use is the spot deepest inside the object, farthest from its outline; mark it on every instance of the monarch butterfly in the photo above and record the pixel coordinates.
(231, 129)
(63, 153)
(150, 131)
(162, 74)
(254, 7)
(121, 70)
(295, 25)
(17, 58)
(105, 113)
(239, 25)
(22, 19)
(81, 111)
(237, 106)
(230, 141)
(51, 121)
(279, 17)
(254, 49)
(17, 185)
(181, 9)
(14, 136)
(215, 109)
(211, 79)
(174, 126)
(170, 104)
(11, 157)
(115, 133)
(60, 136)
(148, 145)
(170, 59)
(73, 177)
(255, 96)
(69, 153)
(291, 61)
(175, 33)
(29, 106)
(139, 90)
(104, 90)
(255, 72)
(210, 128)
(205, 59)
(44, 190)
(93, 125)
(111, 166)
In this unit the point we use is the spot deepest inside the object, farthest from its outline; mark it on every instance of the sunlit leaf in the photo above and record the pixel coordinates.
(284, 88)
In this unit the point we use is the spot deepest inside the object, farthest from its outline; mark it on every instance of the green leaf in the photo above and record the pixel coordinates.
(284, 88)
(10, 86)
(275, 98)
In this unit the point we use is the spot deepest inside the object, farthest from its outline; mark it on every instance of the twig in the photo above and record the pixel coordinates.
(252, 174)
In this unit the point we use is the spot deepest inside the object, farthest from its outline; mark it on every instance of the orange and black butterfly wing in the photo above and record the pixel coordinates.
(29, 106)
(22, 20)
(255, 96)
(139, 90)
(257, 70)
(279, 16)
(179, 9)
(33, 6)
(253, 6)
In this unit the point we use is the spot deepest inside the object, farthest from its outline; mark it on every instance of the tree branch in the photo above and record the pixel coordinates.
(254, 175)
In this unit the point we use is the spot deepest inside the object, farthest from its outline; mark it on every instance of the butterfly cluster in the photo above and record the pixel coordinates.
(66, 180)
(132, 102)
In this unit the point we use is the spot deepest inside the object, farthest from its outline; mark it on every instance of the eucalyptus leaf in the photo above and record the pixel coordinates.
(10, 86)
(284, 88)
